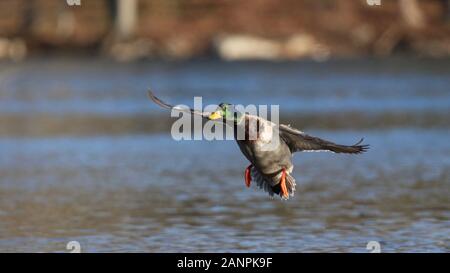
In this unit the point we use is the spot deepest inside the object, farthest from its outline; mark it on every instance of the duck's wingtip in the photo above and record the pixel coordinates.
(359, 142)
(157, 100)
(150, 93)
(361, 148)
(365, 148)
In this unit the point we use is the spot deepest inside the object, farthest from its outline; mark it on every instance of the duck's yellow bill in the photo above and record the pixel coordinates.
(215, 115)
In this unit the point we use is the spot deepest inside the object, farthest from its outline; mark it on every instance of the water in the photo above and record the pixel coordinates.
(86, 157)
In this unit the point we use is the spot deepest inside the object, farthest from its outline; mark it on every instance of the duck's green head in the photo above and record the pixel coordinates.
(226, 112)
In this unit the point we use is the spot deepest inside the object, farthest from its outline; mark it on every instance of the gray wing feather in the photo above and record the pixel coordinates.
(298, 141)
(178, 108)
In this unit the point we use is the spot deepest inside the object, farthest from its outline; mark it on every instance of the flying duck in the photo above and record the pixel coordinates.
(268, 147)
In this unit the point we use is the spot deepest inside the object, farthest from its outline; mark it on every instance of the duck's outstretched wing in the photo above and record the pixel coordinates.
(178, 108)
(298, 141)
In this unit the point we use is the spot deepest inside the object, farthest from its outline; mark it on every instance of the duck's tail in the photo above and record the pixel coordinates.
(271, 184)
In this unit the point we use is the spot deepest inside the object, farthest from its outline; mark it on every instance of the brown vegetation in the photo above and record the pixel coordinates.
(187, 28)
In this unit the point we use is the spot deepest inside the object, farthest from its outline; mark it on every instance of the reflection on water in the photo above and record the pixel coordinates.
(126, 185)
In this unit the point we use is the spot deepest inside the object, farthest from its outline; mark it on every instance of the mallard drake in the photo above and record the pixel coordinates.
(270, 161)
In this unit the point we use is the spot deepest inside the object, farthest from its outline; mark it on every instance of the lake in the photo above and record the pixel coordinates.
(85, 156)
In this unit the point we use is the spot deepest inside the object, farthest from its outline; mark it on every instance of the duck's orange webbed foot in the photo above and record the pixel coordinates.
(248, 176)
(284, 192)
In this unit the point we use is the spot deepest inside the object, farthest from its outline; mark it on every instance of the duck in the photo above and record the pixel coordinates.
(269, 147)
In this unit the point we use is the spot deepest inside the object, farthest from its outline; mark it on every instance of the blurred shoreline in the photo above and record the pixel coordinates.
(231, 30)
